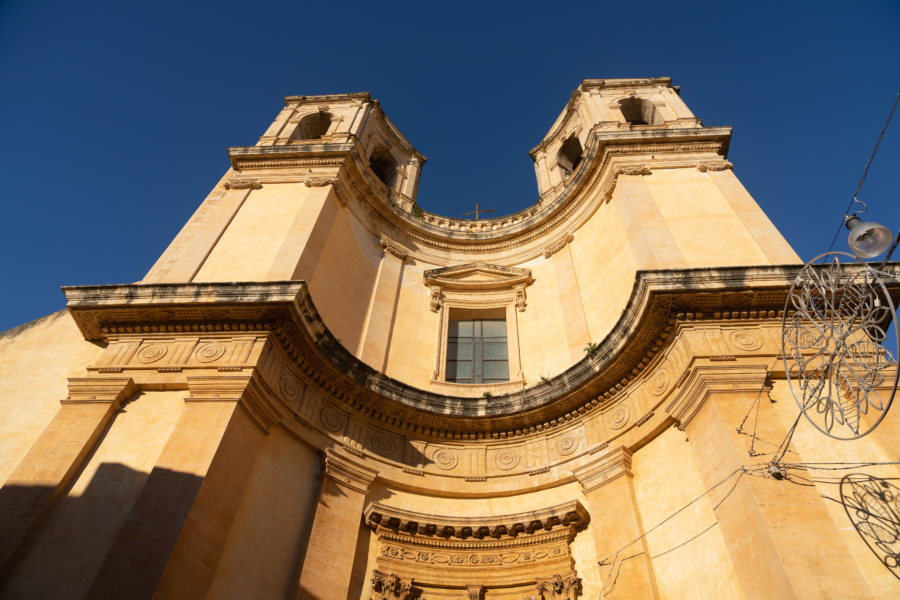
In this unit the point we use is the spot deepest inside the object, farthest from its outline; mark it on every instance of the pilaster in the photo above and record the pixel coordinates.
(328, 564)
(609, 489)
(57, 456)
(176, 532)
(377, 333)
(299, 253)
(763, 521)
(577, 334)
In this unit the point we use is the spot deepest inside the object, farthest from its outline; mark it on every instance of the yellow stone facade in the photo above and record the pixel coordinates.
(269, 414)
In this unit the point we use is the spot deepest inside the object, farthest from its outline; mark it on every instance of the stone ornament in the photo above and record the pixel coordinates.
(391, 247)
(242, 184)
(745, 340)
(507, 460)
(151, 353)
(659, 382)
(618, 417)
(560, 587)
(209, 352)
(567, 444)
(445, 459)
(558, 245)
(332, 420)
(288, 387)
(387, 586)
(714, 165)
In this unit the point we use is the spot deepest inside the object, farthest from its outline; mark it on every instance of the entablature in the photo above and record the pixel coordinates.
(660, 300)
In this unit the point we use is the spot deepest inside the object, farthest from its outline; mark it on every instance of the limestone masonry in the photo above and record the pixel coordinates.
(321, 390)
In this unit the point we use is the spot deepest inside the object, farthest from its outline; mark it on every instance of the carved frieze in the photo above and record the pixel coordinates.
(477, 555)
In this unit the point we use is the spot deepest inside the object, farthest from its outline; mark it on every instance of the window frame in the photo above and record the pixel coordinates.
(481, 290)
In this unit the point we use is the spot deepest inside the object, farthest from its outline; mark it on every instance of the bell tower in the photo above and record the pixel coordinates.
(269, 216)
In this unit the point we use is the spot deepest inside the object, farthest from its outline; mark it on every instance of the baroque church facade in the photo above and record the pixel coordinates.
(321, 390)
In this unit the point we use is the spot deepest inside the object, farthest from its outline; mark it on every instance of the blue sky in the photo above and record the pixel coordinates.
(115, 116)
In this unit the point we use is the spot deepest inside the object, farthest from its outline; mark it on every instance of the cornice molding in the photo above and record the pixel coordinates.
(381, 516)
(477, 276)
(608, 154)
(659, 301)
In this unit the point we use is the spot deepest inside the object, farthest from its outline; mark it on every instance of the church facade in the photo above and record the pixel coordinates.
(321, 390)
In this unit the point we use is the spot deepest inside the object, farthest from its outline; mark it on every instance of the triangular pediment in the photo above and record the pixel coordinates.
(478, 275)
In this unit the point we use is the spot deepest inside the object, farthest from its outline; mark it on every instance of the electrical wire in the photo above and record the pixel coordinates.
(865, 172)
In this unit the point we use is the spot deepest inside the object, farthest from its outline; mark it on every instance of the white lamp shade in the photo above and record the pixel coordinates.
(868, 239)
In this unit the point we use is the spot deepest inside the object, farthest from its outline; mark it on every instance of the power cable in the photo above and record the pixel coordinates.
(865, 172)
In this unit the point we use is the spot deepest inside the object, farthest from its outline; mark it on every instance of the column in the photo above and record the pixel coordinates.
(616, 523)
(373, 348)
(57, 457)
(176, 532)
(328, 563)
(780, 537)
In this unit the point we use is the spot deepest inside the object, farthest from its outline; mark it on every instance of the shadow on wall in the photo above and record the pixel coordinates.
(873, 506)
(75, 551)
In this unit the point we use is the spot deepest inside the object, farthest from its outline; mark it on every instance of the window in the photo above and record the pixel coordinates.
(477, 351)
(638, 111)
(478, 338)
(569, 156)
(383, 165)
(312, 127)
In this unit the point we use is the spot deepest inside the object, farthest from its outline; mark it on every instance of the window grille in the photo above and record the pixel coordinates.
(477, 351)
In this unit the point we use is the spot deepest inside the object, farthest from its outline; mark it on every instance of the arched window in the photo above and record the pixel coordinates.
(569, 155)
(383, 165)
(638, 111)
(313, 126)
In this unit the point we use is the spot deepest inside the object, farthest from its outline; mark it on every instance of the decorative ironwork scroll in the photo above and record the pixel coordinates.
(836, 322)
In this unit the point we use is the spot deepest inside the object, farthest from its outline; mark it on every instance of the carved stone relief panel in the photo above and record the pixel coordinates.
(514, 557)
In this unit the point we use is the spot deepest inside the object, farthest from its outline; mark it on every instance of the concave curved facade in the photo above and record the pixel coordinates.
(322, 391)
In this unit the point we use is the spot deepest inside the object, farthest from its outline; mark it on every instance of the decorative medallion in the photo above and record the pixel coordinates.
(659, 382)
(151, 353)
(618, 417)
(507, 459)
(567, 444)
(210, 352)
(384, 444)
(745, 340)
(332, 420)
(288, 387)
(445, 459)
